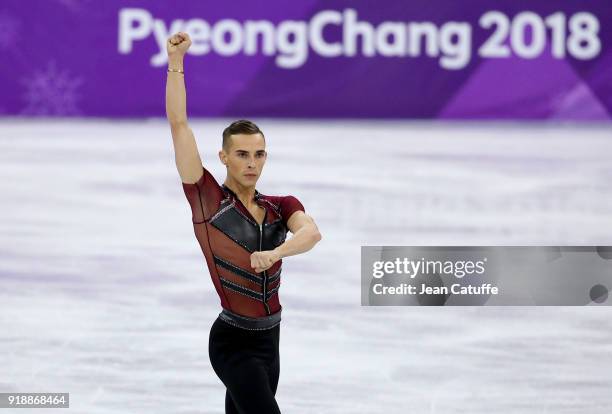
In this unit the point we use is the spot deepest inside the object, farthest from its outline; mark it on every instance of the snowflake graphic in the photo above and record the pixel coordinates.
(51, 92)
(9, 29)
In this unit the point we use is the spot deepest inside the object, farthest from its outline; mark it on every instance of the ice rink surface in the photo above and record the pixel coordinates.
(105, 293)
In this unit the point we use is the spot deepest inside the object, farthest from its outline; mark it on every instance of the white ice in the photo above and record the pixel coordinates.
(105, 294)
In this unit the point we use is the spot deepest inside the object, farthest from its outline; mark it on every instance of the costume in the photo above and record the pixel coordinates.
(228, 235)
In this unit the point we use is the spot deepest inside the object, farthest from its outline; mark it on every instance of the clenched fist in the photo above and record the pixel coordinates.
(261, 261)
(178, 44)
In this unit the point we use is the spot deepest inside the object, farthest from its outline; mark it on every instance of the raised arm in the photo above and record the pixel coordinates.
(186, 155)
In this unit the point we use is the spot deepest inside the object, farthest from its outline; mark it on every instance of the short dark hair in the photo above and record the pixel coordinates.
(242, 126)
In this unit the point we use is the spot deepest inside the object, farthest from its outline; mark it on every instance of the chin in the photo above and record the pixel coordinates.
(249, 181)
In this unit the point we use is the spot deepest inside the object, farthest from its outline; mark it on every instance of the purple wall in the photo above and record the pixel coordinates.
(386, 59)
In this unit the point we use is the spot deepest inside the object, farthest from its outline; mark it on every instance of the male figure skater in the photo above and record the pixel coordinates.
(242, 234)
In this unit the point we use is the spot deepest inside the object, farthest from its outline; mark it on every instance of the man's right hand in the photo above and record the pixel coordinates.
(178, 44)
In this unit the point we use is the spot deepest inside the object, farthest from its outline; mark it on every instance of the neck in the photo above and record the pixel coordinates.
(246, 194)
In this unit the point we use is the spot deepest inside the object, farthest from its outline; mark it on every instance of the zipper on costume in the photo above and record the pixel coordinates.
(265, 281)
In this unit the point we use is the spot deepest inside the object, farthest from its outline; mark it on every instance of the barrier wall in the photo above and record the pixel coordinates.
(389, 59)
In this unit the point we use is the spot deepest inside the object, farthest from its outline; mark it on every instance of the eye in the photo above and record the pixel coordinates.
(260, 155)
(242, 155)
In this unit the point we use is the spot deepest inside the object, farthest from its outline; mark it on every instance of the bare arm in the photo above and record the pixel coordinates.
(186, 155)
(305, 236)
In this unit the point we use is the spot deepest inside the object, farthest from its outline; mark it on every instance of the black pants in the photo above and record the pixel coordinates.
(248, 363)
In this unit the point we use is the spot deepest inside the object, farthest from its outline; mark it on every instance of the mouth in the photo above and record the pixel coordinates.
(250, 175)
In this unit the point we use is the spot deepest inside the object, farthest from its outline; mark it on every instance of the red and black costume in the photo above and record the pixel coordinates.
(228, 234)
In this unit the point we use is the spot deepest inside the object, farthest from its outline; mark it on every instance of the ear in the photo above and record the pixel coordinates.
(223, 157)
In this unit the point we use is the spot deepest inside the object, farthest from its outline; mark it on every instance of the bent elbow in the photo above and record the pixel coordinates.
(316, 236)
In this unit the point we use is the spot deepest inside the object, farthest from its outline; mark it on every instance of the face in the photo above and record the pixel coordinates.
(245, 158)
